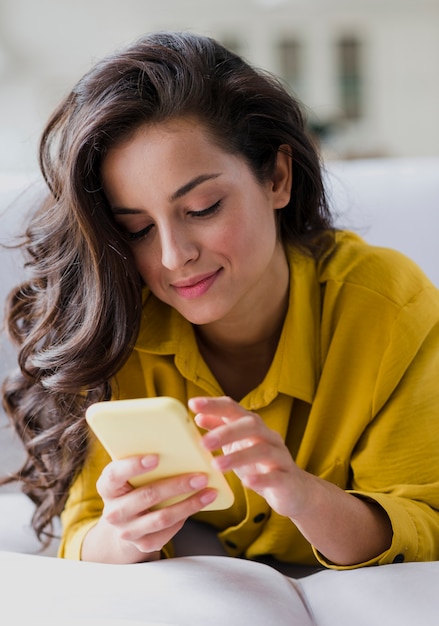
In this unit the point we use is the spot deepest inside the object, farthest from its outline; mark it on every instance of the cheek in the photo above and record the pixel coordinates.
(251, 234)
(146, 264)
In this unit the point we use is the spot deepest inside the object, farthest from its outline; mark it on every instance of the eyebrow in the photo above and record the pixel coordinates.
(198, 180)
(181, 191)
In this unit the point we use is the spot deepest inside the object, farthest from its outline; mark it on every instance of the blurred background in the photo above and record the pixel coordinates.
(366, 70)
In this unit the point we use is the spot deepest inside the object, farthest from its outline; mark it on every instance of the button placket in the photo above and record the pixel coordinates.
(237, 539)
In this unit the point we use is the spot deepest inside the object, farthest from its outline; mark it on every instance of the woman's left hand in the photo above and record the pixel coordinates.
(330, 518)
(257, 454)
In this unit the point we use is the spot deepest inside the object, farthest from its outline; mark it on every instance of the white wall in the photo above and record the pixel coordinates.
(46, 45)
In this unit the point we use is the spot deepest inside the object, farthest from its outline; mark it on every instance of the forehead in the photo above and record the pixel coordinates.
(181, 143)
(165, 161)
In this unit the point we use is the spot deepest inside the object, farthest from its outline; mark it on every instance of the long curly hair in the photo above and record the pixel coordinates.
(76, 317)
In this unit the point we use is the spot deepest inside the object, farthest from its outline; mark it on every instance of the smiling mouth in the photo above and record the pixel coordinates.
(196, 288)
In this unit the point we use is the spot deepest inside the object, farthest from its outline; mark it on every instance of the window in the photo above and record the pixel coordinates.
(290, 63)
(350, 77)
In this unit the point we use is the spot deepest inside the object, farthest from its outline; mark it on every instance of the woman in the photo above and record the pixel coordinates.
(186, 249)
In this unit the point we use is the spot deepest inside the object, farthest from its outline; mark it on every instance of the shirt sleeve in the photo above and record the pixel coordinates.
(396, 461)
(84, 505)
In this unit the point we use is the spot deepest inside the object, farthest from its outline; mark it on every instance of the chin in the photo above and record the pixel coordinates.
(200, 320)
(200, 317)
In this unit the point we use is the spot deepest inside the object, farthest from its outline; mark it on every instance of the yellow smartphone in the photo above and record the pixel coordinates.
(160, 426)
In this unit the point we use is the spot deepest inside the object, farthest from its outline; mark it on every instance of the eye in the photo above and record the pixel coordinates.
(139, 234)
(206, 212)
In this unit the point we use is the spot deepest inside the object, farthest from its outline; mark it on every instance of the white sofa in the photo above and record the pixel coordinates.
(390, 202)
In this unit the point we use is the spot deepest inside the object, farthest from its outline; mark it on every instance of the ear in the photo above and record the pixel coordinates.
(282, 178)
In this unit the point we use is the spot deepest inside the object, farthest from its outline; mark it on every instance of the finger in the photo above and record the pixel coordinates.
(230, 433)
(155, 528)
(222, 407)
(261, 457)
(121, 510)
(208, 422)
(266, 480)
(250, 427)
(170, 515)
(114, 480)
(149, 543)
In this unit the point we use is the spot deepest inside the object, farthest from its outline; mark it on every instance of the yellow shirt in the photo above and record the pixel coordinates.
(353, 389)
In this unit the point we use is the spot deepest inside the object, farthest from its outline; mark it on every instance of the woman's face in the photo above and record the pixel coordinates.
(202, 229)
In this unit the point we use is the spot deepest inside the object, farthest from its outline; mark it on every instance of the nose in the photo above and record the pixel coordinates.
(178, 247)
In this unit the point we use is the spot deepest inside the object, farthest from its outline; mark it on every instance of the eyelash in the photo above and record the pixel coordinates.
(139, 234)
(204, 213)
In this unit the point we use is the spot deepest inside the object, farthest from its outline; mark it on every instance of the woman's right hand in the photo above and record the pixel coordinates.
(131, 529)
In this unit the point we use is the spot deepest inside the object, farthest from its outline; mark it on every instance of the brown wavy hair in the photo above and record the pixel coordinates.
(76, 317)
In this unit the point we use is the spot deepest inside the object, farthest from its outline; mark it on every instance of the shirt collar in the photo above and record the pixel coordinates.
(300, 340)
(295, 367)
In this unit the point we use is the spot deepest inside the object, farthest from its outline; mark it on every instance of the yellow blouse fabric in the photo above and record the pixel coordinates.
(353, 389)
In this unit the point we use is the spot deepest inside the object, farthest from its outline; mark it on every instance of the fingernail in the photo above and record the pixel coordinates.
(201, 400)
(222, 462)
(211, 442)
(149, 461)
(199, 481)
(209, 496)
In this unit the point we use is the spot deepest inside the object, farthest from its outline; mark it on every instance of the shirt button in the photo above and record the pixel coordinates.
(259, 518)
(399, 558)
(230, 544)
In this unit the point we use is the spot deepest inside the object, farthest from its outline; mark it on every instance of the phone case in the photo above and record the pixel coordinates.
(160, 426)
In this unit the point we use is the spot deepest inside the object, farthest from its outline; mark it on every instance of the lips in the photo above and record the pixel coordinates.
(197, 286)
